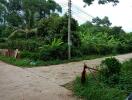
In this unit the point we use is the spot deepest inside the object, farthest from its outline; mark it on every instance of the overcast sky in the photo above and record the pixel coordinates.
(119, 15)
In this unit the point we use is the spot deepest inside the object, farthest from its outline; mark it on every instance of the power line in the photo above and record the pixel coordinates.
(78, 10)
(69, 22)
(82, 11)
(77, 15)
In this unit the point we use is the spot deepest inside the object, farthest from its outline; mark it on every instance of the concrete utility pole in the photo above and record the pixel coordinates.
(69, 29)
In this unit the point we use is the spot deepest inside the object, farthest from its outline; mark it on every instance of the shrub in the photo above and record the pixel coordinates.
(88, 49)
(14, 61)
(93, 91)
(3, 45)
(125, 82)
(2, 40)
(54, 50)
(128, 46)
(24, 45)
(104, 49)
(51, 53)
(126, 77)
(110, 70)
(8, 30)
(29, 55)
(76, 52)
(120, 48)
(99, 89)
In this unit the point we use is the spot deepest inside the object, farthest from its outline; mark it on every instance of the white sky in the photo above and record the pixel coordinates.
(119, 15)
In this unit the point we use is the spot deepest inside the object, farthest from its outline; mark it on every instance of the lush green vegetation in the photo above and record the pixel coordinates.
(33, 63)
(113, 82)
(50, 44)
(40, 33)
(36, 28)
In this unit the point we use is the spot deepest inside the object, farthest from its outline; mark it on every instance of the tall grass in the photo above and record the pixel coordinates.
(99, 90)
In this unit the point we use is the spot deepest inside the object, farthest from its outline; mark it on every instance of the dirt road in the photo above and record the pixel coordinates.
(42, 83)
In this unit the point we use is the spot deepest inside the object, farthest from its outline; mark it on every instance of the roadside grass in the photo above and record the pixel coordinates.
(93, 90)
(16, 62)
(31, 63)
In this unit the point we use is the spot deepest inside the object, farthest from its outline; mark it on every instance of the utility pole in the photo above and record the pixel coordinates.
(69, 29)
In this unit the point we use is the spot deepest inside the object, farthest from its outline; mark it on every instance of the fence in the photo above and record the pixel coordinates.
(10, 53)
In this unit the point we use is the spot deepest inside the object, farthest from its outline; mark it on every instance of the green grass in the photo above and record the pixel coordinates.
(17, 62)
(31, 63)
(93, 90)
(126, 77)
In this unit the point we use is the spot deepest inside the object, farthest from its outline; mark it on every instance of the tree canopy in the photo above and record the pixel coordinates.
(102, 22)
(89, 2)
(20, 12)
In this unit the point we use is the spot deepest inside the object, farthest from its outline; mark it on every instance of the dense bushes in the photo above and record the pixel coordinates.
(93, 49)
(103, 41)
(88, 49)
(39, 51)
(60, 52)
(31, 55)
(120, 48)
(7, 31)
(54, 50)
(98, 89)
(28, 45)
(103, 44)
(104, 49)
(110, 70)
(93, 91)
(3, 45)
(125, 82)
(87, 39)
(45, 51)
(52, 53)
(56, 27)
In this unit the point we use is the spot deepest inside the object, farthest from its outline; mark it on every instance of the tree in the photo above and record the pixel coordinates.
(89, 2)
(56, 27)
(2, 11)
(23, 14)
(21, 9)
(116, 31)
(74, 27)
(2, 27)
(102, 22)
(96, 26)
